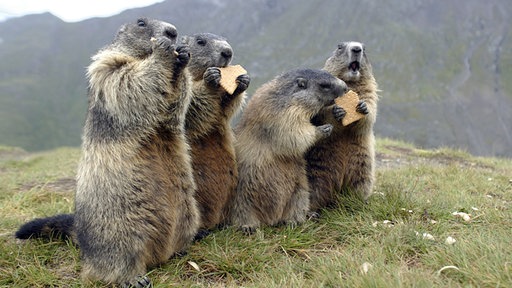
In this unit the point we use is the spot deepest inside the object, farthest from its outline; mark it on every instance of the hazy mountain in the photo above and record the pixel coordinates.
(444, 67)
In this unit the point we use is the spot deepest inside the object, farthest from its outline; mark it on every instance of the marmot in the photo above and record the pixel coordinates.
(346, 159)
(272, 137)
(208, 128)
(134, 204)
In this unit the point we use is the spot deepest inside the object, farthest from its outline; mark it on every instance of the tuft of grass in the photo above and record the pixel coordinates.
(416, 193)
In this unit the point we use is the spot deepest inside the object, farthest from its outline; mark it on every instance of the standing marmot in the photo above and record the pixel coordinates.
(346, 159)
(208, 127)
(271, 138)
(134, 205)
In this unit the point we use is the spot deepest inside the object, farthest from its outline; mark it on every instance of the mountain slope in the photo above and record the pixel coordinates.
(443, 67)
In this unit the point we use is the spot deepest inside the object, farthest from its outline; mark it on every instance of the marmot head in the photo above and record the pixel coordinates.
(207, 50)
(308, 89)
(134, 38)
(349, 62)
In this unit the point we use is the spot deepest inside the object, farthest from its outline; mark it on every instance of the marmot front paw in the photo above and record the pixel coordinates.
(183, 55)
(362, 108)
(338, 113)
(325, 130)
(162, 44)
(242, 83)
(212, 77)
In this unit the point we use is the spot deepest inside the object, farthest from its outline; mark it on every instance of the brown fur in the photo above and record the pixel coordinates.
(134, 204)
(346, 159)
(208, 126)
(271, 138)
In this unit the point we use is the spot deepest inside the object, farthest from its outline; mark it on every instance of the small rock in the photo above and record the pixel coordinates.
(425, 236)
(366, 267)
(449, 240)
(388, 223)
(462, 215)
(428, 236)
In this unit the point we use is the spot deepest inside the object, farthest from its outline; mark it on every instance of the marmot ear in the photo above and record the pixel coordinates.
(302, 83)
(185, 40)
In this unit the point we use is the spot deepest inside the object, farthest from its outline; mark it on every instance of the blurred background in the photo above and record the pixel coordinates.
(444, 67)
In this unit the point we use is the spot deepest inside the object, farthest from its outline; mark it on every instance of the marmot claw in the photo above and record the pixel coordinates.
(212, 77)
(242, 82)
(362, 108)
(338, 112)
(140, 282)
(325, 129)
(247, 230)
(183, 55)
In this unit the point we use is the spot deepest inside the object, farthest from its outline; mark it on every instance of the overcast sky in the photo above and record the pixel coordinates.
(69, 11)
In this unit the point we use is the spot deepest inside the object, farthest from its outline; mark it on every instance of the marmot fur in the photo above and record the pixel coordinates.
(208, 126)
(271, 138)
(346, 159)
(134, 204)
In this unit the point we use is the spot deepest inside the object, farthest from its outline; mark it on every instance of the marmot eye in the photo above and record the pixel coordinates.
(201, 42)
(141, 23)
(302, 83)
(341, 46)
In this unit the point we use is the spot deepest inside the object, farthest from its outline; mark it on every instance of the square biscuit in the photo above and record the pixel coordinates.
(228, 77)
(349, 102)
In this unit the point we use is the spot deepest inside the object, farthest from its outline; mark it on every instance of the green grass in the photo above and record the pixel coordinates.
(417, 190)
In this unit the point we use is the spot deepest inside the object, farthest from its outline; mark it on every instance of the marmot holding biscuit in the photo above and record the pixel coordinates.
(271, 138)
(346, 159)
(134, 204)
(208, 124)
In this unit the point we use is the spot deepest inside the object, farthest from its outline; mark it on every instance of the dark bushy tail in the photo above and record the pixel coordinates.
(55, 227)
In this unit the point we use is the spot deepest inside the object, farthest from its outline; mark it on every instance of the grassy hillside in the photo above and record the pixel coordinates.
(416, 192)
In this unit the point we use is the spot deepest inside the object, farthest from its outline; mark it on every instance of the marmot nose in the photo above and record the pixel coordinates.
(227, 53)
(340, 87)
(170, 32)
(356, 49)
(334, 88)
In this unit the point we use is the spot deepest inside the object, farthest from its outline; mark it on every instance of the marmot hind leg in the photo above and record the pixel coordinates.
(360, 176)
(297, 208)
